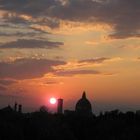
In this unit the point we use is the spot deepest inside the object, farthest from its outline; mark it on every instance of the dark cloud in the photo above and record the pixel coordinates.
(117, 13)
(39, 30)
(38, 9)
(14, 18)
(19, 34)
(51, 22)
(29, 7)
(7, 82)
(31, 43)
(17, 19)
(35, 68)
(18, 30)
(95, 60)
(28, 68)
(122, 15)
(76, 72)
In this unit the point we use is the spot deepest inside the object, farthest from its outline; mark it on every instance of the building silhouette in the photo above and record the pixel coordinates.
(15, 106)
(20, 108)
(7, 109)
(83, 106)
(60, 106)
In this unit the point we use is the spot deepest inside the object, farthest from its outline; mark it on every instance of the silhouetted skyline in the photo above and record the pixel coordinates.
(72, 125)
(82, 106)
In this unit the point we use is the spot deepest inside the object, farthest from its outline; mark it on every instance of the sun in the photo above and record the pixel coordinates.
(53, 100)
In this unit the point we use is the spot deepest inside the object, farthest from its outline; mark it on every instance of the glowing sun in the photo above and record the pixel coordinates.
(52, 100)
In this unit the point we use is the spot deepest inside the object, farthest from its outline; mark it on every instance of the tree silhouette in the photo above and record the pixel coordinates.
(42, 125)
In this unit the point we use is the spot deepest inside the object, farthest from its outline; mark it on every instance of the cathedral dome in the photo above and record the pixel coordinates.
(83, 106)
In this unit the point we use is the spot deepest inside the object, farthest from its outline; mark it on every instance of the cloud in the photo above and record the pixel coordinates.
(86, 63)
(19, 34)
(14, 18)
(52, 82)
(31, 43)
(21, 69)
(39, 30)
(119, 14)
(7, 82)
(29, 7)
(83, 67)
(76, 72)
(29, 20)
(29, 12)
(8, 29)
(28, 68)
(94, 60)
(116, 13)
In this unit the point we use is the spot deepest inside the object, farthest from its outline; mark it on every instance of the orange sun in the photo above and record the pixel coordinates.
(52, 100)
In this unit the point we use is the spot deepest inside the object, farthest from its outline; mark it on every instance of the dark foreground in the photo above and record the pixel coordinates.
(42, 125)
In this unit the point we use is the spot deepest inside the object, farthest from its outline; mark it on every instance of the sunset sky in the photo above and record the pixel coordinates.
(60, 48)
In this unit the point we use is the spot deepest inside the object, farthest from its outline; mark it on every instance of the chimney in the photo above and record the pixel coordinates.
(20, 108)
(60, 106)
(15, 106)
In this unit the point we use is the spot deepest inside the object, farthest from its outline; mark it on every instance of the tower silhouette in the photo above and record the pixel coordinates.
(60, 106)
(20, 108)
(15, 106)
